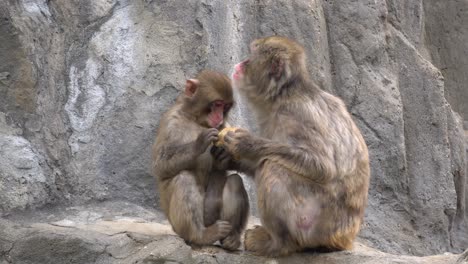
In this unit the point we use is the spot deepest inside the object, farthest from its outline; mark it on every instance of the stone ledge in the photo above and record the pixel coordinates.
(135, 240)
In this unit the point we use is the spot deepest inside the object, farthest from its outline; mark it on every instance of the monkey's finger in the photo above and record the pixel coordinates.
(217, 151)
(213, 138)
(220, 155)
(240, 130)
(224, 227)
(223, 133)
(213, 130)
(228, 137)
(226, 130)
(214, 150)
(223, 155)
(208, 140)
(212, 133)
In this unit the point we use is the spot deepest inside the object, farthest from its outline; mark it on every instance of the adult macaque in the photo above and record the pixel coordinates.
(203, 204)
(311, 161)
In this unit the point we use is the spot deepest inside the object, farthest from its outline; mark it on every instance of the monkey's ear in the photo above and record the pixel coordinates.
(277, 68)
(191, 87)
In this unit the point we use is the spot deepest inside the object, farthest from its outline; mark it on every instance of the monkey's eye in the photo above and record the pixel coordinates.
(218, 104)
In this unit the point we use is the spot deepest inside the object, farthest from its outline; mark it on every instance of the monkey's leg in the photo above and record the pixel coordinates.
(260, 241)
(214, 199)
(186, 213)
(235, 210)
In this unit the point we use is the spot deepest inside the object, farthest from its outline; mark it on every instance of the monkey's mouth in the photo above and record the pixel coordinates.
(239, 69)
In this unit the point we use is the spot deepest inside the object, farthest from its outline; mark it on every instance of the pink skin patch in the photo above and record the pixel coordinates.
(239, 70)
(216, 116)
(307, 216)
(305, 222)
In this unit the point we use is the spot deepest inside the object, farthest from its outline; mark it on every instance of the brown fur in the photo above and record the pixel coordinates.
(311, 161)
(203, 204)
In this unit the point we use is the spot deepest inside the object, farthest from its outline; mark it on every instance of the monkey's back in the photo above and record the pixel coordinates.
(322, 125)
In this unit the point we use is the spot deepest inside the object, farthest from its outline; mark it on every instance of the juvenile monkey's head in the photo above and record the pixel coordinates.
(274, 65)
(208, 98)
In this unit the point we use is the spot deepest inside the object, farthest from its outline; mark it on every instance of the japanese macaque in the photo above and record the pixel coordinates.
(202, 203)
(310, 160)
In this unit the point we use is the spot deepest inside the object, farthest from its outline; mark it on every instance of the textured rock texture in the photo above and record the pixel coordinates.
(83, 83)
(86, 235)
(447, 37)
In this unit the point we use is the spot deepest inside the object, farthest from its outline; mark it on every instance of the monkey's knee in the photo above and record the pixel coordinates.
(234, 184)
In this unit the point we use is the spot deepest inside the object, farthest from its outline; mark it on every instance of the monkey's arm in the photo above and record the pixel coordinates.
(245, 166)
(225, 161)
(313, 165)
(172, 155)
(170, 159)
(298, 159)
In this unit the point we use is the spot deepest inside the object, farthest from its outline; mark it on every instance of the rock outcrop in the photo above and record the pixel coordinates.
(87, 235)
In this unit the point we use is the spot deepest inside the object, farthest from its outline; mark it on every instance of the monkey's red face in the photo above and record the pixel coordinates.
(208, 98)
(249, 71)
(218, 110)
(239, 70)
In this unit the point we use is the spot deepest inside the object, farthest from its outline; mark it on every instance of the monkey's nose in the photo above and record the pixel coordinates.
(237, 71)
(238, 67)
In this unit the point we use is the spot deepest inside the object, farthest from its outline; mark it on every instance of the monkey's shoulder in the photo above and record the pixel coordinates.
(321, 121)
(178, 125)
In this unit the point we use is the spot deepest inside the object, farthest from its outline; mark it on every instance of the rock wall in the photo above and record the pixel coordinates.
(447, 41)
(83, 83)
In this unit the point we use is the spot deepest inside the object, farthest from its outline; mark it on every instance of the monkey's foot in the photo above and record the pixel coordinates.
(257, 240)
(231, 242)
(261, 242)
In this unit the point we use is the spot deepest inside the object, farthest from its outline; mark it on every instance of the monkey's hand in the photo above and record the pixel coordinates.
(204, 140)
(223, 159)
(221, 135)
(238, 142)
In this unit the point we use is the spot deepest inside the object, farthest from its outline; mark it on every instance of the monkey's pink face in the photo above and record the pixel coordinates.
(218, 110)
(239, 70)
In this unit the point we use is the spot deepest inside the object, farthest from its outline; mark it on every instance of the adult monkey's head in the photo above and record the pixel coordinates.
(275, 65)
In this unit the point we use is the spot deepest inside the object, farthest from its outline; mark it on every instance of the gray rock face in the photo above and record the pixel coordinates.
(83, 83)
(22, 180)
(447, 41)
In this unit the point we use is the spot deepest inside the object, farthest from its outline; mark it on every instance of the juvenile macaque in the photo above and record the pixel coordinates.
(311, 162)
(203, 204)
